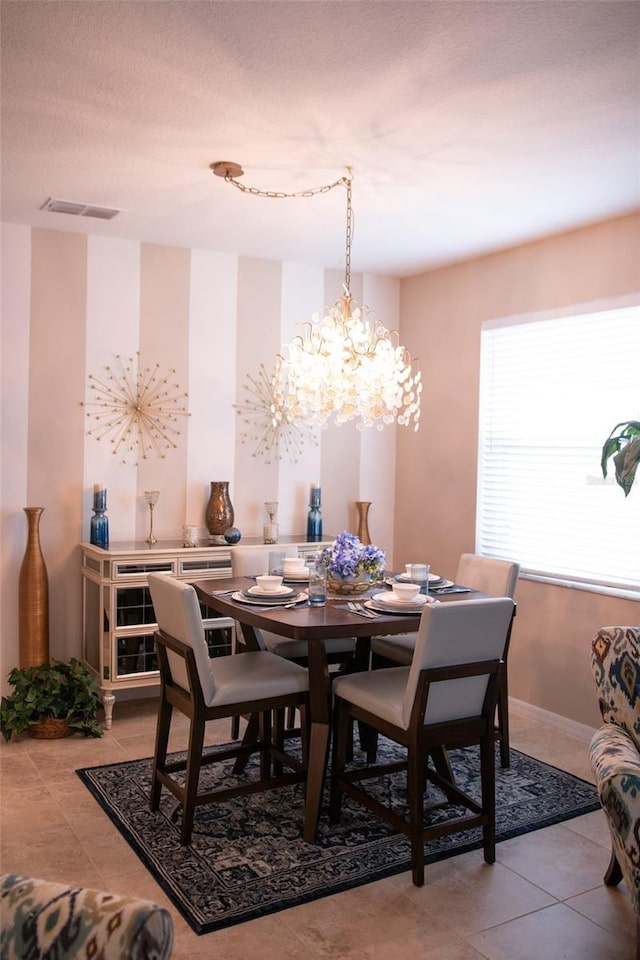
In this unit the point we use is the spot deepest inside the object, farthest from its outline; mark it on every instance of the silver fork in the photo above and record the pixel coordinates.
(362, 611)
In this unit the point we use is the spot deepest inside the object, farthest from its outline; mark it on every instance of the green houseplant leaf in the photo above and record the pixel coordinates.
(623, 444)
(64, 690)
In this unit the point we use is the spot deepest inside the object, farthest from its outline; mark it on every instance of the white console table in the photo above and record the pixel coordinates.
(118, 621)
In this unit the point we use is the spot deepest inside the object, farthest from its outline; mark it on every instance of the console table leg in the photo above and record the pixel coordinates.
(108, 700)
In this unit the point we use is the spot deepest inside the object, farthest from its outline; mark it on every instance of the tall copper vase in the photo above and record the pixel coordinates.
(219, 510)
(363, 521)
(33, 597)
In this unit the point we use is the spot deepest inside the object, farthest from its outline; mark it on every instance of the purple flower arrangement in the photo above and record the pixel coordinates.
(348, 559)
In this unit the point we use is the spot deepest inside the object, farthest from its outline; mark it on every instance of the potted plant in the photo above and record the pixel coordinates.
(623, 444)
(51, 700)
(352, 567)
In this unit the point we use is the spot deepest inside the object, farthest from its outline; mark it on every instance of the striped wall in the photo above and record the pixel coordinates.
(70, 305)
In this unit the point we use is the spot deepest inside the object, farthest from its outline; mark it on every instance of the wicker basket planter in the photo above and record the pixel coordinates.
(50, 701)
(50, 729)
(348, 587)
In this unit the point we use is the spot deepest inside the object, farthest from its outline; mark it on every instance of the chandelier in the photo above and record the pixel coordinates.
(345, 365)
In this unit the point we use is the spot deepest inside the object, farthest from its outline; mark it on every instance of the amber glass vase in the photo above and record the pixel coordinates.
(219, 511)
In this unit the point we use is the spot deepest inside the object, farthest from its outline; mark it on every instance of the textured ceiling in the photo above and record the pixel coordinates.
(469, 126)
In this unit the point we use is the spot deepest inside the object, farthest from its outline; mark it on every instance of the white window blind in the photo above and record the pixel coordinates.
(551, 391)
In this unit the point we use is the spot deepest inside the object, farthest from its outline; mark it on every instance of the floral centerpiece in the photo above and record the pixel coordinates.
(351, 566)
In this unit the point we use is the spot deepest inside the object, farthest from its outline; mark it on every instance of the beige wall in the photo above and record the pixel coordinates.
(442, 313)
(70, 305)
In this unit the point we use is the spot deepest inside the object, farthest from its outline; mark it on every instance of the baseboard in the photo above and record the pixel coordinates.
(581, 731)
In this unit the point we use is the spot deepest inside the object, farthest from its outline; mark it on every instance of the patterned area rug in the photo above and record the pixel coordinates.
(247, 858)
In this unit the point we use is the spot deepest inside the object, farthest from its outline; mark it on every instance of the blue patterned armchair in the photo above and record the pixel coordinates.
(615, 752)
(42, 919)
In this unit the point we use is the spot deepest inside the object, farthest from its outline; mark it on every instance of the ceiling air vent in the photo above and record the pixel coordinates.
(79, 209)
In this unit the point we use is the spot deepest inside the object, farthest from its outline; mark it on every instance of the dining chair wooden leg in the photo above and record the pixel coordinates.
(265, 752)
(192, 776)
(277, 734)
(442, 765)
(503, 721)
(415, 797)
(251, 734)
(291, 718)
(488, 782)
(165, 711)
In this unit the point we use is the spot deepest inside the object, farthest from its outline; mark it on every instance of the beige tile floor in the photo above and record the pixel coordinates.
(543, 899)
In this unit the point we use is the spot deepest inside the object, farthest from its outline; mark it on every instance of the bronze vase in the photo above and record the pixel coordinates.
(363, 522)
(33, 597)
(219, 511)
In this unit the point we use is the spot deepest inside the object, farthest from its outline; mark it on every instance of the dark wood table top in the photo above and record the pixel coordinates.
(310, 623)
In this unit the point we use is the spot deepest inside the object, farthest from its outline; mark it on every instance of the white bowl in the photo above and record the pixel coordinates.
(269, 584)
(294, 565)
(406, 591)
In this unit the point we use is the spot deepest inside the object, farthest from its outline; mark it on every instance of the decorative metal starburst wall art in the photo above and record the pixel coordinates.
(269, 430)
(136, 409)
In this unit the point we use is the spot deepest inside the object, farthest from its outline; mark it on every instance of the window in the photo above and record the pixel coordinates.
(552, 388)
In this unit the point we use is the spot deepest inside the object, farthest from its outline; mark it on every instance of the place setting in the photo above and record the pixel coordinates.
(268, 591)
(294, 570)
(403, 597)
(429, 582)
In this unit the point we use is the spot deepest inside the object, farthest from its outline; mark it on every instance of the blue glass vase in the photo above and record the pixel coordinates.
(314, 525)
(99, 535)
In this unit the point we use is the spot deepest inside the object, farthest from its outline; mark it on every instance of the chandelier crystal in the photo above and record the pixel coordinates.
(345, 365)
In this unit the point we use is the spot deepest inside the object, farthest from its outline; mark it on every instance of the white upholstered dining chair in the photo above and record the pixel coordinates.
(445, 699)
(204, 688)
(251, 561)
(496, 577)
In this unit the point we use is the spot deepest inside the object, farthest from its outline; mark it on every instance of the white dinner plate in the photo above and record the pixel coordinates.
(257, 591)
(441, 584)
(275, 602)
(296, 577)
(388, 597)
(432, 577)
(412, 609)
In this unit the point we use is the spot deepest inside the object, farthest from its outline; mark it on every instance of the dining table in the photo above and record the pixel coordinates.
(315, 625)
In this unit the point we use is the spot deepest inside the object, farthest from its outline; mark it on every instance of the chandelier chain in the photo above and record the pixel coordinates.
(311, 192)
(347, 259)
(280, 194)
